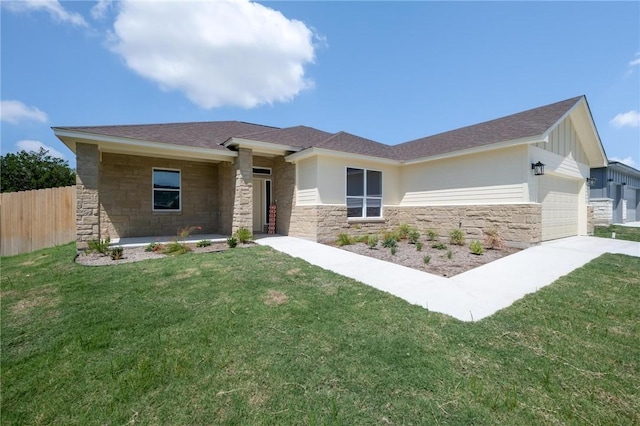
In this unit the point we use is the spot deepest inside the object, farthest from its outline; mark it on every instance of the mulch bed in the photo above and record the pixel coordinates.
(439, 263)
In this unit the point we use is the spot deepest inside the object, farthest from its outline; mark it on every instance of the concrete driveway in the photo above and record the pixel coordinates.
(469, 296)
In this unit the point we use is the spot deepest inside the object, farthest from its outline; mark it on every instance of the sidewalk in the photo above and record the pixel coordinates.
(472, 295)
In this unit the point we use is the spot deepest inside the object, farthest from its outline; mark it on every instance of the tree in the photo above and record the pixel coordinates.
(24, 171)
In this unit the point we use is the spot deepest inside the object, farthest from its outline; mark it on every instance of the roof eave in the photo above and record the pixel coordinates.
(261, 147)
(478, 149)
(141, 147)
(314, 151)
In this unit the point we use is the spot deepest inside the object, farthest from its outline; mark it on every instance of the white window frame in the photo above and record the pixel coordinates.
(153, 190)
(365, 195)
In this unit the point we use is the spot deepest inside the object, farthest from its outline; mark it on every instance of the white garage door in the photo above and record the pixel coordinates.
(560, 206)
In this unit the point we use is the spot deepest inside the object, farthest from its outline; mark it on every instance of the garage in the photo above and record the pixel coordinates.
(630, 194)
(560, 206)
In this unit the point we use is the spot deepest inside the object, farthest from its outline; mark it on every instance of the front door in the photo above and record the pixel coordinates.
(261, 202)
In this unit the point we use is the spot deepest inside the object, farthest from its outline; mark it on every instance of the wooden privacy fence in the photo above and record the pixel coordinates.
(32, 220)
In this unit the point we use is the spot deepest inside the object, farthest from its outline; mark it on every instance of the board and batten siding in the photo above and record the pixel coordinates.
(565, 142)
(493, 177)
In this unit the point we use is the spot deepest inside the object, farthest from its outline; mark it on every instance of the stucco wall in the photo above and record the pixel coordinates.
(126, 197)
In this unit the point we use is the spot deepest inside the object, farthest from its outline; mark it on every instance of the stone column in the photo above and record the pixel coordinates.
(87, 198)
(243, 196)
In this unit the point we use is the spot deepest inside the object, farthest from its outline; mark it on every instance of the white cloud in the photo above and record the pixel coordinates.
(99, 11)
(30, 145)
(52, 7)
(627, 160)
(218, 53)
(630, 118)
(15, 111)
(636, 61)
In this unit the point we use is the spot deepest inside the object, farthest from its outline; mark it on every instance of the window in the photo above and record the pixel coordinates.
(364, 193)
(261, 171)
(166, 189)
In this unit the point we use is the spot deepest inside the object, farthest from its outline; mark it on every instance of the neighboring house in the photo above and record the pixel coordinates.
(615, 193)
(149, 180)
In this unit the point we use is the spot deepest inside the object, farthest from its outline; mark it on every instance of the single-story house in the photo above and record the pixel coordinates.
(615, 193)
(524, 175)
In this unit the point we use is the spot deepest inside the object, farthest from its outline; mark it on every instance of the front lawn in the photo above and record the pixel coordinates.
(622, 232)
(253, 336)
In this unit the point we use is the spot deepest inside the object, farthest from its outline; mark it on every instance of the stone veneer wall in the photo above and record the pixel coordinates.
(126, 206)
(602, 211)
(87, 199)
(518, 224)
(590, 220)
(243, 194)
(226, 195)
(284, 184)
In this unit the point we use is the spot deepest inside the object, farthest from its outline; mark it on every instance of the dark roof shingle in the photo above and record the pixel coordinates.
(208, 134)
(524, 124)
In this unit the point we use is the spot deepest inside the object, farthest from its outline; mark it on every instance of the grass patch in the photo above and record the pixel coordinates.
(197, 339)
(622, 232)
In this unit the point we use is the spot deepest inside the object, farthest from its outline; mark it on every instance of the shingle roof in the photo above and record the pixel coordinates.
(200, 134)
(524, 124)
(212, 134)
(346, 142)
(301, 136)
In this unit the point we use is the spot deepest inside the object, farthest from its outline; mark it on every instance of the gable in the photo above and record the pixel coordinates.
(565, 142)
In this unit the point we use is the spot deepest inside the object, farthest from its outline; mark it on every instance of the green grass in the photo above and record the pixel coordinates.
(253, 336)
(622, 232)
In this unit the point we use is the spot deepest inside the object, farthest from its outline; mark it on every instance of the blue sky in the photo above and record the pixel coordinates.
(388, 71)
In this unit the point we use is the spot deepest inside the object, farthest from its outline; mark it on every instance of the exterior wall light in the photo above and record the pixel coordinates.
(538, 168)
(591, 181)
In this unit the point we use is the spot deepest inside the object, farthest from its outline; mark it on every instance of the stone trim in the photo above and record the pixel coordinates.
(518, 224)
(243, 190)
(87, 194)
(602, 211)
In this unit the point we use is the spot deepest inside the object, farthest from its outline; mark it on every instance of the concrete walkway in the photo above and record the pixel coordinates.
(469, 296)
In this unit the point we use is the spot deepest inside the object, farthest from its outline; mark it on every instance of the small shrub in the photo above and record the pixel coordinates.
(232, 242)
(426, 259)
(244, 235)
(394, 250)
(117, 252)
(176, 248)
(362, 239)
(389, 242)
(431, 235)
(413, 236)
(439, 246)
(344, 239)
(404, 230)
(476, 247)
(492, 240)
(456, 237)
(99, 246)
(449, 254)
(372, 241)
(203, 243)
(152, 247)
(391, 234)
(418, 246)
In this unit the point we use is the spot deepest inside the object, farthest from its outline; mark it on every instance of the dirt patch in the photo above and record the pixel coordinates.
(447, 262)
(275, 298)
(41, 298)
(136, 254)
